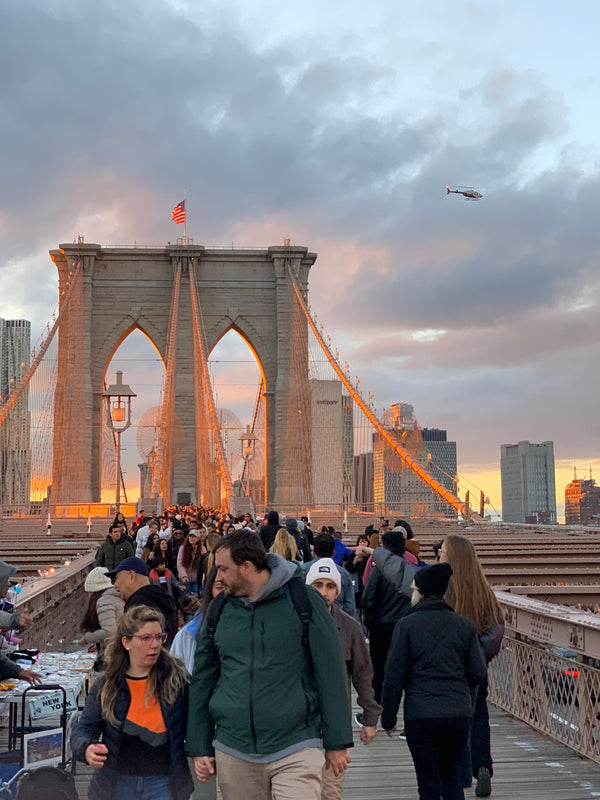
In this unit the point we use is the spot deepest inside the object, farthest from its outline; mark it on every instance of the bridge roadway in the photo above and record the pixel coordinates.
(527, 767)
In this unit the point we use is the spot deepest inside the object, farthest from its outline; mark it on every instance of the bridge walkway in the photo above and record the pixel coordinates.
(527, 766)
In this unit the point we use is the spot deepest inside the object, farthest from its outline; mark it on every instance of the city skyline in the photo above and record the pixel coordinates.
(340, 128)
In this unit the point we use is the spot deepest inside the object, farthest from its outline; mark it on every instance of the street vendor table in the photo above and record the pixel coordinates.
(72, 671)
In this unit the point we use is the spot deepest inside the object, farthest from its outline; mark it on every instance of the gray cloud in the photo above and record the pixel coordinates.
(109, 111)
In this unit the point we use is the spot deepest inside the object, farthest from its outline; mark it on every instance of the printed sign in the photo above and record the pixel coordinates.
(50, 704)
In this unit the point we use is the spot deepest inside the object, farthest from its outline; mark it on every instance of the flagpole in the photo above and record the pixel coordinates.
(185, 216)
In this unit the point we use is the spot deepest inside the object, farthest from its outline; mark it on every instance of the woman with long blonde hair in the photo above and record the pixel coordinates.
(132, 728)
(470, 594)
(285, 545)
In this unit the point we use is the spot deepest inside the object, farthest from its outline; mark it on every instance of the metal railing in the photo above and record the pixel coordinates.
(556, 695)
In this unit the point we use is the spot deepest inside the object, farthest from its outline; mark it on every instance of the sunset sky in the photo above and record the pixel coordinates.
(337, 125)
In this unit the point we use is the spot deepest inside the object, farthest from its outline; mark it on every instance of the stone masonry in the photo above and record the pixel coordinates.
(126, 288)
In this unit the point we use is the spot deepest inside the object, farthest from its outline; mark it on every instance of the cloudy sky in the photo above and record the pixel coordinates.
(339, 125)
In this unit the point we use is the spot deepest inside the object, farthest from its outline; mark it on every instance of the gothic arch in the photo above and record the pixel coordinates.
(121, 289)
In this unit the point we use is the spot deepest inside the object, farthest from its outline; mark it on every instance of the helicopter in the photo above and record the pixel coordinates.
(467, 192)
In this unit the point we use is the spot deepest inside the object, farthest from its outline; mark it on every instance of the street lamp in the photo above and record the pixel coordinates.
(118, 403)
(248, 440)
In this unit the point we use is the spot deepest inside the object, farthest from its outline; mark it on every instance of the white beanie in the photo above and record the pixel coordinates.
(324, 568)
(96, 581)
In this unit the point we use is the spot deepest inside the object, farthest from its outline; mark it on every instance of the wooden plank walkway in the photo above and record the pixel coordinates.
(527, 766)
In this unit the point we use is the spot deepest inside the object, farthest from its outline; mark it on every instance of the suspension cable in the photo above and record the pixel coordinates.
(438, 488)
(28, 374)
(200, 336)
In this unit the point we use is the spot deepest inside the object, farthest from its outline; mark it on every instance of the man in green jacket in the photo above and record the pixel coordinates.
(115, 548)
(264, 699)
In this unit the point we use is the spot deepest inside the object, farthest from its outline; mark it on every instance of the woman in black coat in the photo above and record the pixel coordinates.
(132, 727)
(435, 659)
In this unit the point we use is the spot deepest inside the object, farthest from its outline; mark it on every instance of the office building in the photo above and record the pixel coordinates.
(442, 465)
(15, 450)
(582, 502)
(396, 487)
(332, 444)
(528, 488)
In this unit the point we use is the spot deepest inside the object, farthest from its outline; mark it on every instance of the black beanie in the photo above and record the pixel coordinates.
(433, 580)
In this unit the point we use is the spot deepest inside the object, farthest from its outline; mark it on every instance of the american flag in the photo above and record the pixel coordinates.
(178, 213)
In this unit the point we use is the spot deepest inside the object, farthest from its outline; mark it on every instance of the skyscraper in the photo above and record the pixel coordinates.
(582, 502)
(528, 488)
(332, 444)
(15, 451)
(395, 486)
(442, 465)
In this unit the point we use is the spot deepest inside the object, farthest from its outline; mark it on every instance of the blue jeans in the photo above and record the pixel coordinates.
(148, 787)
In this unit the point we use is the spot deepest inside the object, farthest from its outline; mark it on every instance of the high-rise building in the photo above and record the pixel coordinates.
(332, 444)
(15, 450)
(396, 487)
(582, 502)
(528, 488)
(442, 465)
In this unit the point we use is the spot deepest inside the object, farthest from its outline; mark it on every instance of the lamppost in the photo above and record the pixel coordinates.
(118, 399)
(247, 440)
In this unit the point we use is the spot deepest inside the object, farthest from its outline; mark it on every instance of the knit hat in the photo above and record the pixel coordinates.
(324, 568)
(97, 580)
(433, 580)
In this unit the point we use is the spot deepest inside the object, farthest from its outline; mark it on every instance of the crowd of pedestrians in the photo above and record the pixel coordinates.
(228, 646)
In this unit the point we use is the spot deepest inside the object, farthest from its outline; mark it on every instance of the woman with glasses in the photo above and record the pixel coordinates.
(132, 727)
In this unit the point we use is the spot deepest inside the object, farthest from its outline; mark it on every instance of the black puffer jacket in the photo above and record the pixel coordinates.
(436, 659)
(91, 725)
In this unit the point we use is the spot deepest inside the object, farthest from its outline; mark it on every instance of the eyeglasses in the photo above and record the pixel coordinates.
(147, 638)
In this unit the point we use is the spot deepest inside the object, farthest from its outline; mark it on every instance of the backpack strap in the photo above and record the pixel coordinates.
(213, 614)
(211, 620)
(301, 601)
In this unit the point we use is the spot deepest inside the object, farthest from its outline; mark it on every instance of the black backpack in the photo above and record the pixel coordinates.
(298, 594)
(49, 783)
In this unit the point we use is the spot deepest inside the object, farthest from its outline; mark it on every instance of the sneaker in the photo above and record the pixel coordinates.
(359, 719)
(402, 734)
(484, 782)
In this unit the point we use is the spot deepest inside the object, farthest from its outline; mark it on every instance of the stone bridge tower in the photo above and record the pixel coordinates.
(121, 289)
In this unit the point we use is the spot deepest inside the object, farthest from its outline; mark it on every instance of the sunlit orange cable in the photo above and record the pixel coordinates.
(438, 488)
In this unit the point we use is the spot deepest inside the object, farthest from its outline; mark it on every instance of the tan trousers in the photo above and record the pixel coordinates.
(295, 777)
(332, 788)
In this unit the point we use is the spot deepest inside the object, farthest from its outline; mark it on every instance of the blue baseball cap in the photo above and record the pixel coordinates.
(130, 564)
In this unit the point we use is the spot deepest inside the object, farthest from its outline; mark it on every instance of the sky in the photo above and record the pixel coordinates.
(338, 125)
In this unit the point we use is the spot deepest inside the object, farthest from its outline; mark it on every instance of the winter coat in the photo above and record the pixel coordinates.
(154, 597)
(8, 619)
(259, 685)
(436, 660)
(188, 573)
(111, 554)
(108, 608)
(168, 584)
(358, 664)
(91, 726)
(395, 569)
(382, 603)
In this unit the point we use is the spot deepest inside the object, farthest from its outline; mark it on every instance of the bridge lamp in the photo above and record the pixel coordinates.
(118, 404)
(248, 441)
